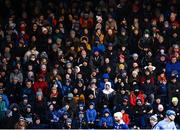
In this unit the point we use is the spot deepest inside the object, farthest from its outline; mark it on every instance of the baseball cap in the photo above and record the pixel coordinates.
(170, 112)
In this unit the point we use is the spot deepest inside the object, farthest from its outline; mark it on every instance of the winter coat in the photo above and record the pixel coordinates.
(86, 23)
(126, 118)
(18, 75)
(3, 109)
(91, 115)
(43, 85)
(40, 109)
(120, 126)
(177, 110)
(30, 93)
(145, 43)
(80, 120)
(171, 67)
(149, 89)
(173, 90)
(108, 120)
(5, 98)
(162, 90)
(133, 98)
(96, 62)
(164, 124)
(118, 98)
(14, 91)
(111, 39)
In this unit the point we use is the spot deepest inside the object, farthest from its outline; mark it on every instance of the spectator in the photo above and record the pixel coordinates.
(168, 120)
(172, 66)
(91, 115)
(119, 124)
(106, 120)
(3, 109)
(153, 121)
(175, 106)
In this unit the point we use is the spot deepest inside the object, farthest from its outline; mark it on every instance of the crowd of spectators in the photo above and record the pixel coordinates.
(74, 63)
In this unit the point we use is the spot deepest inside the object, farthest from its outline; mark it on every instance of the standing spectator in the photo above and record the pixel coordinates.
(17, 74)
(173, 87)
(146, 42)
(91, 115)
(96, 60)
(41, 84)
(108, 94)
(173, 65)
(3, 109)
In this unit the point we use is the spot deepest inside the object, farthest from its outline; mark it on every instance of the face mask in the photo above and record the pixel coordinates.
(162, 51)
(123, 33)
(139, 103)
(32, 59)
(146, 35)
(54, 72)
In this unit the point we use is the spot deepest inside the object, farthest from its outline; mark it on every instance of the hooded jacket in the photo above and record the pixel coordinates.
(108, 91)
(108, 120)
(133, 98)
(5, 98)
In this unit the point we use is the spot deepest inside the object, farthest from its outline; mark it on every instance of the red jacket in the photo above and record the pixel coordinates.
(133, 98)
(126, 118)
(86, 23)
(43, 85)
(143, 80)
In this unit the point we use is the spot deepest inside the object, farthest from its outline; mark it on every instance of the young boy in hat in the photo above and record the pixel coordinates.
(91, 115)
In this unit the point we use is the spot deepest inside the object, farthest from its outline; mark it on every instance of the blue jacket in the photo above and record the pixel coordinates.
(91, 115)
(108, 120)
(66, 89)
(5, 98)
(163, 90)
(61, 111)
(171, 67)
(55, 116)
(120, 126)
(165, 125)
(58, 82)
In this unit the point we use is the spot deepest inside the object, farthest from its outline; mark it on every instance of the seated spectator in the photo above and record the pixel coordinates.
(106, 121)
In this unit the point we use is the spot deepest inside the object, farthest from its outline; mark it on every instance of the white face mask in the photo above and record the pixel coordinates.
(146, 35)
(54, 72)
(162, 51)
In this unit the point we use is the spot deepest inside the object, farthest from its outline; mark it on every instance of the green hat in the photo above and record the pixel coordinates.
(147, 31)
